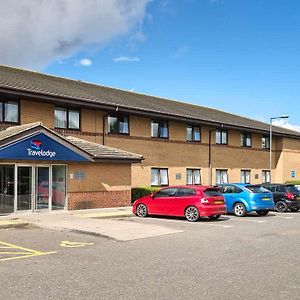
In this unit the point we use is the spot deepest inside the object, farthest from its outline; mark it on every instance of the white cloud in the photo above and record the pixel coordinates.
(85, 62)
(126, 59)
(180, 52)
(34, 33)
(286, 124)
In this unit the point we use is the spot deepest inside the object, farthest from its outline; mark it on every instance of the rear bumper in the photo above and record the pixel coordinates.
(295, 203)
(212, 210)
(262, 206)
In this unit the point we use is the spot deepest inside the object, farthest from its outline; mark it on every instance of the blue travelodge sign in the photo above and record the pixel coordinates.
(39, 147)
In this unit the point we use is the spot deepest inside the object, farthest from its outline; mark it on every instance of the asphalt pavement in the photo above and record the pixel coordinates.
(234, 258)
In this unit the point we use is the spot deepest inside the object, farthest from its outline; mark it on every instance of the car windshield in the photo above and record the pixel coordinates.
(212, 193)
(291, 189)
(256, 189)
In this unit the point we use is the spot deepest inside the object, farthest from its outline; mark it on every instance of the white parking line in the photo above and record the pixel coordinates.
(285, 217)
(224, 226)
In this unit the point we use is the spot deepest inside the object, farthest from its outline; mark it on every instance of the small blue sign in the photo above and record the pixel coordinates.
(293, 174)
(39, 147)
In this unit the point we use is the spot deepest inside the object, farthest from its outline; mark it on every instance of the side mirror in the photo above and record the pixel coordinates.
(153, 195)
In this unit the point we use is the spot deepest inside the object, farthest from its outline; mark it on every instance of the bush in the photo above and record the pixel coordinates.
(297, 182)
(140, 192)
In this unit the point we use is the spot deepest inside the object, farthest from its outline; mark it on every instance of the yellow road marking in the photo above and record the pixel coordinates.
(69, 244)
(24, 253)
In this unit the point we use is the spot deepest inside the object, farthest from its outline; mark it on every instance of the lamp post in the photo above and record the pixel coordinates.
(271, 123)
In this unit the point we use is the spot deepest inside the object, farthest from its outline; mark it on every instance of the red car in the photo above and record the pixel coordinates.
(191, 202)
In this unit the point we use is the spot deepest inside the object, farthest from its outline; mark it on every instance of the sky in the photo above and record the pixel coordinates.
(240, 56)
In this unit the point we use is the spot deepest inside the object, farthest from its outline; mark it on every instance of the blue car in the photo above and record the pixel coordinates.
(244, 198)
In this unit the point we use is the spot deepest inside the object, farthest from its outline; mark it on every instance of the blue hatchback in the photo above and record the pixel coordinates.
(243, 198)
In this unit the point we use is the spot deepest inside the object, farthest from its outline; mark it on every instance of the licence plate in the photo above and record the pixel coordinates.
(219, 202)
(266, 199)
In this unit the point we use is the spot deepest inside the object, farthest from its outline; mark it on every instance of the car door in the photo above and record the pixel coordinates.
(229, 193)
(160, 204)
(184, 197)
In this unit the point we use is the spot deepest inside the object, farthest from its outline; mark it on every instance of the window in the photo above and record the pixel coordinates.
(245, 176)
(246, 140)
(221, 137)
(221, 176)
(166, 192)
(265, 142)
(67, 118)
(118, 124)
(231, 189)
(212, 193)
(9, 112)
(185, 192)
(193, 134)
(193, 176)
(159, 177)
(159, 129)
(266, 176)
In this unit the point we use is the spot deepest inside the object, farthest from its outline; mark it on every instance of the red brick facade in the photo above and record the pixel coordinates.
(101, 199)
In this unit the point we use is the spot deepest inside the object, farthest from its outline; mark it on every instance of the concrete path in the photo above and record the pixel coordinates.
(90, 222)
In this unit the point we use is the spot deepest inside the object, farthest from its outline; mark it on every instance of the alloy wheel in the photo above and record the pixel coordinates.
(281, 206)
(192, 214)
(141, 211)
(239, 210)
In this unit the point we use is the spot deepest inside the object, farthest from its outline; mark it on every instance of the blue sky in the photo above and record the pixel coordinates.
(238, 56)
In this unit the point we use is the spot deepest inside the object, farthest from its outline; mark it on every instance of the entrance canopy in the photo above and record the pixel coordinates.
(35, 142)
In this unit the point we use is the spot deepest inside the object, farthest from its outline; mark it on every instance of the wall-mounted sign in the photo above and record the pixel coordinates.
(39, 147)
(293, 174)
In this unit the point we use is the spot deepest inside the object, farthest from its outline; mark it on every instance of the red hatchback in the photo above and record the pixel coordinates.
(191, 202)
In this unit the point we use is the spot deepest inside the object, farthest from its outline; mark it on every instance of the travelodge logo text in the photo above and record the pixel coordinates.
(36, 150)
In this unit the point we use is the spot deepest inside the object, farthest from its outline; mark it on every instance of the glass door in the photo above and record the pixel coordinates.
(42, 193)
(7, 175)
(24, 188)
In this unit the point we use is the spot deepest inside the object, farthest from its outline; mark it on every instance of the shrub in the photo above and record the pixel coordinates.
(140, 192)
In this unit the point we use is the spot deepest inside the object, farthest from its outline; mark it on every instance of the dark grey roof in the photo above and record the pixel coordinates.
(98, 151)
(51, 86)
(95, 151)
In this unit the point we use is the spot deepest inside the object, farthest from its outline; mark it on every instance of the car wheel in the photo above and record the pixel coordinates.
(294, 209)
(281, 206)
(141, 211)
(192, 214)
(262, 212)
(215, 217)
(239, 209)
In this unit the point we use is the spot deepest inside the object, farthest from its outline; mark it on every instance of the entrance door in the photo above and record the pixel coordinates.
(42, 183)
(24, 191)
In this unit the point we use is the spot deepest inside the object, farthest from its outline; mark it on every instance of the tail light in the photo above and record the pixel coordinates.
(290, 196)
(204, 201)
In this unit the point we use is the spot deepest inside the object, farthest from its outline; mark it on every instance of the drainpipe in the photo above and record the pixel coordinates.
(103, 127)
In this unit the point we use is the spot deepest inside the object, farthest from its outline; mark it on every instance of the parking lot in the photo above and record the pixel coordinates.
(238, 258)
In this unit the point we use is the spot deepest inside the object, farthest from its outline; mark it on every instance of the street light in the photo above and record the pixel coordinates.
(271, 121)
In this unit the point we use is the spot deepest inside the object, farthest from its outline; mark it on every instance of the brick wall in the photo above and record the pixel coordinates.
(102, 199)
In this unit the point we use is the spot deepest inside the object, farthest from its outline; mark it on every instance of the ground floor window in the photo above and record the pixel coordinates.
(266, 176)
(193, 176)
(159, 177)
(221, 176)
(245, 176)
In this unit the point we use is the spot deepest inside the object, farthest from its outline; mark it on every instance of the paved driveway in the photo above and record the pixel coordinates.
(236, 258)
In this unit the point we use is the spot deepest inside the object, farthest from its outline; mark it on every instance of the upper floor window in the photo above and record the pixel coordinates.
(67, 118)
(265, 142)
(193, 176)
(221, 176)
(159, 129)
(118, 124)
(246, 140)
(193, 134)
(221, 137)
(159, 177)
(245, 176)
(9, 111)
